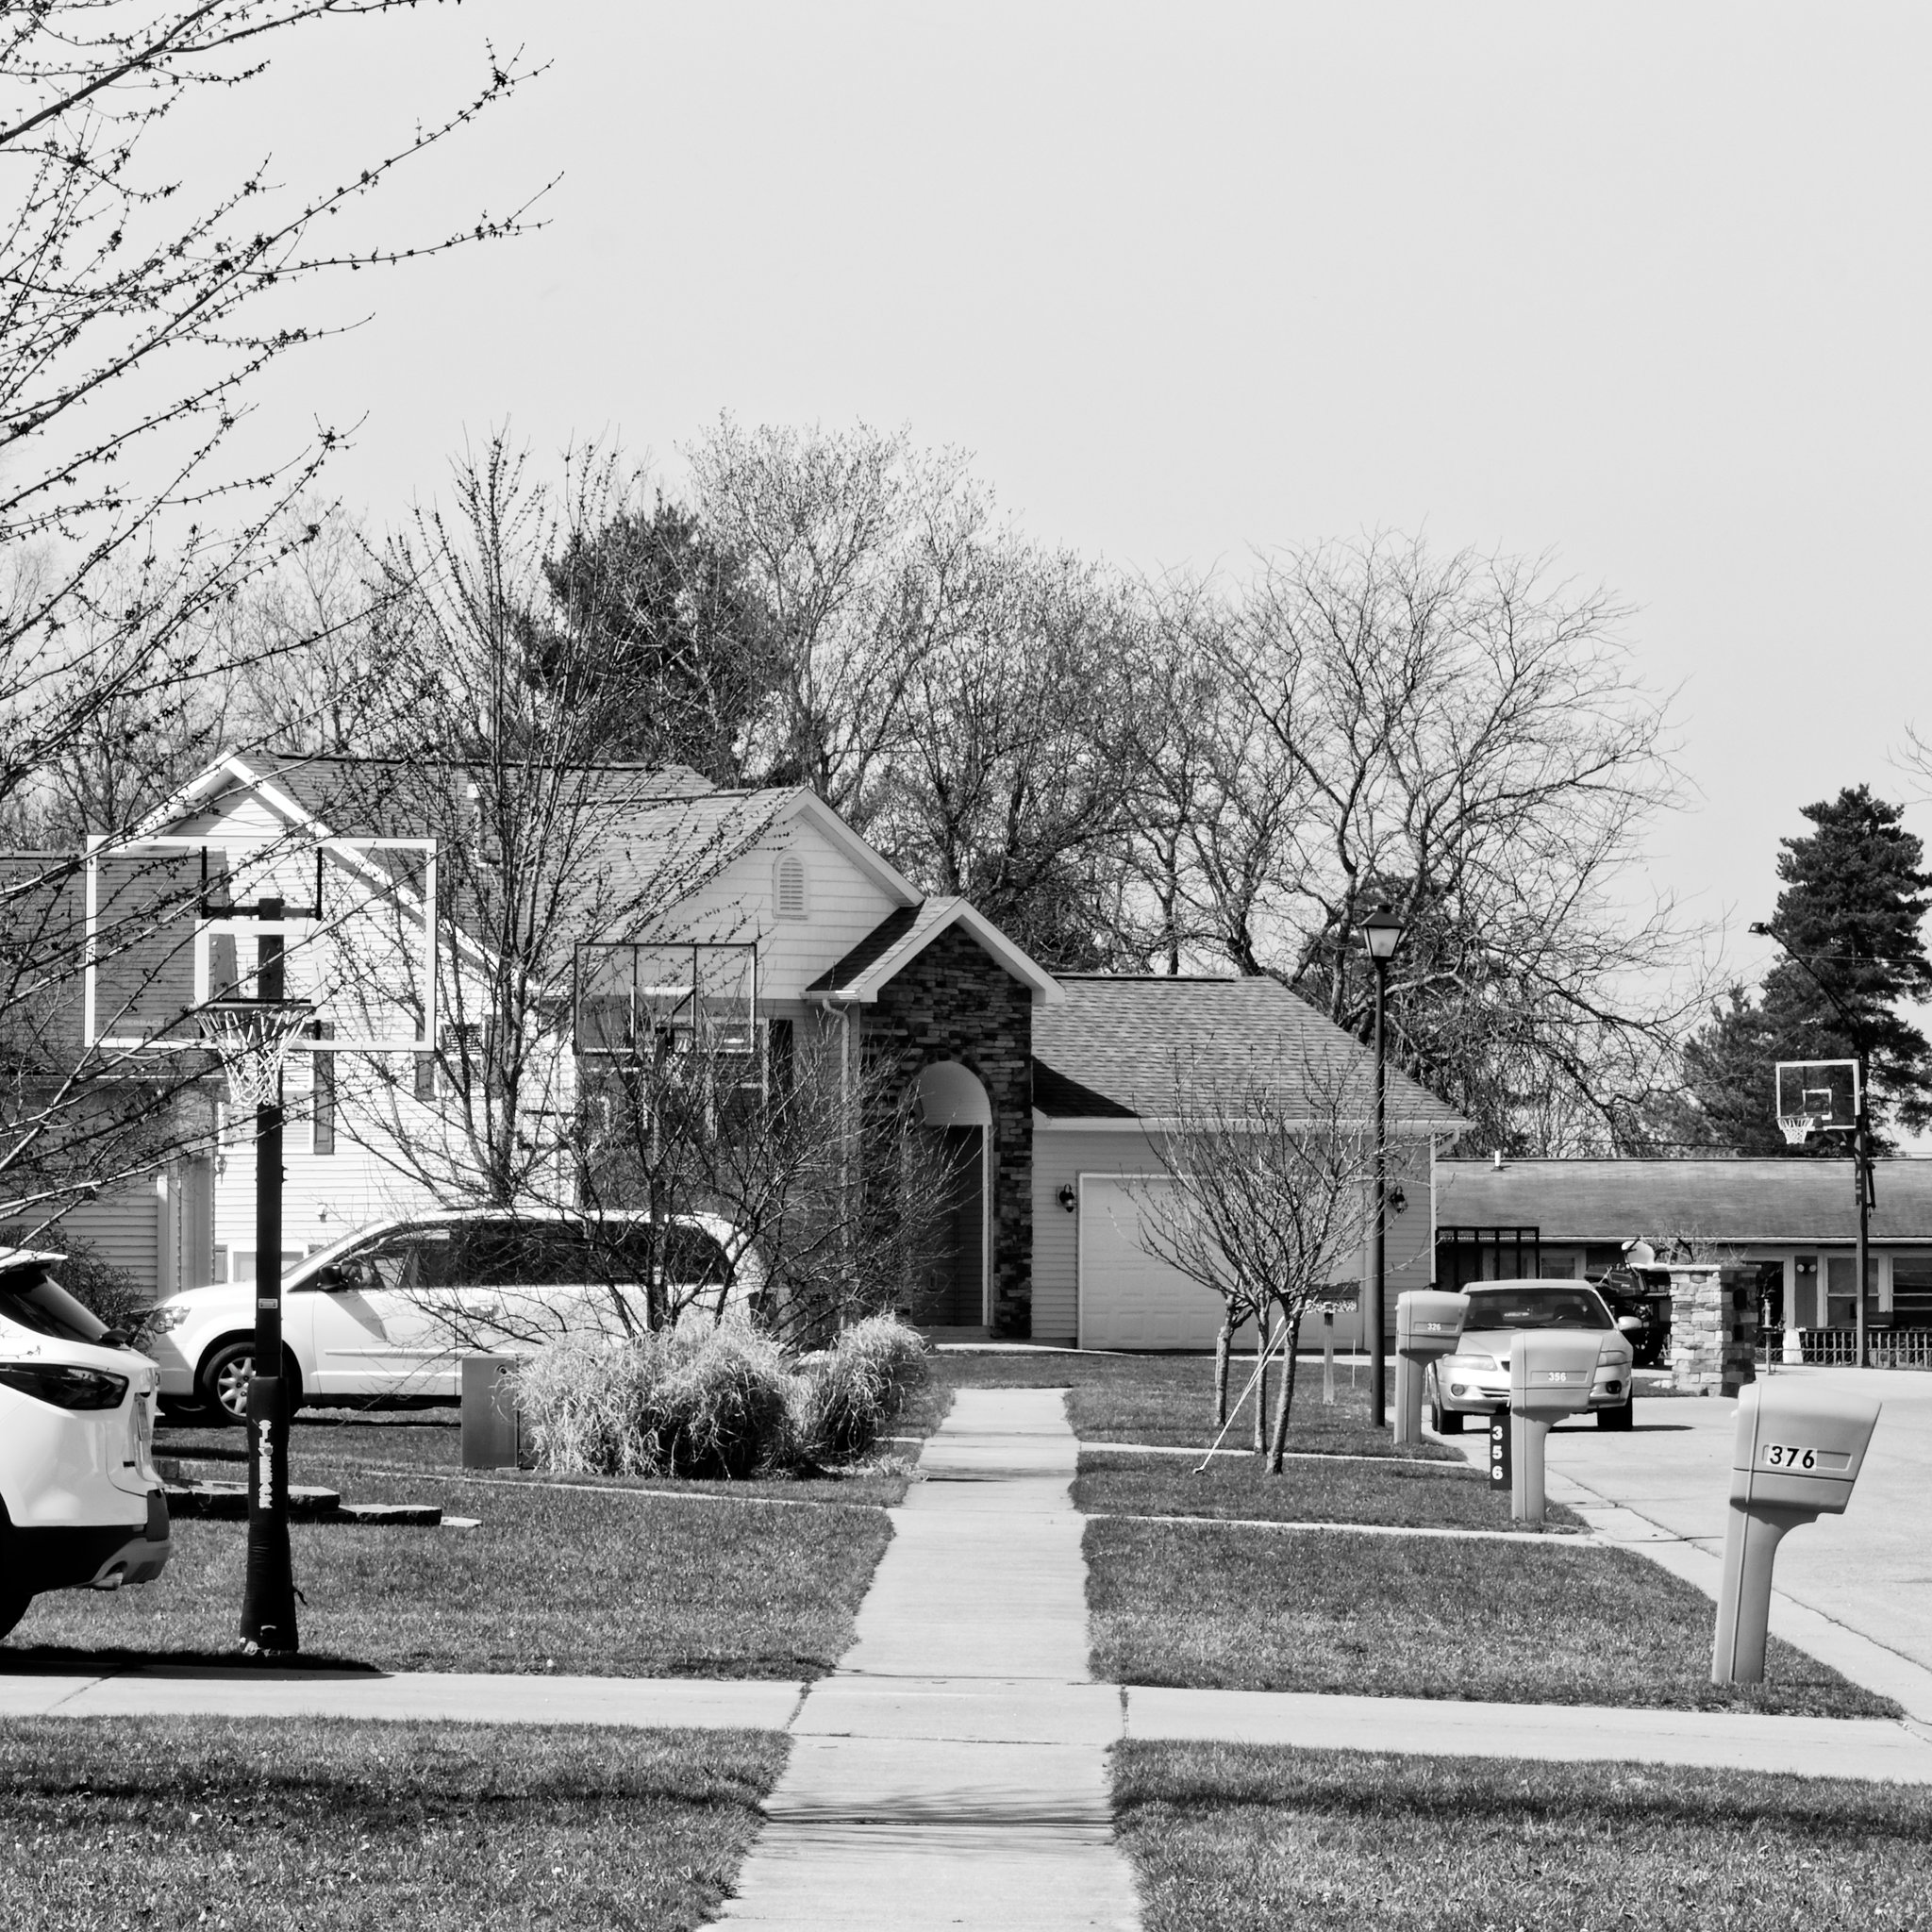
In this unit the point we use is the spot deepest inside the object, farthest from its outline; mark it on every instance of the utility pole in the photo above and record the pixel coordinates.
(1381, 934)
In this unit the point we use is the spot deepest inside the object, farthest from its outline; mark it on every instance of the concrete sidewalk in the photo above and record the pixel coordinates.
(953, 1772)
(998, 1723)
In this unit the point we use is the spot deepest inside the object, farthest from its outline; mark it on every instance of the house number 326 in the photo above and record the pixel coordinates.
(1791, 1456)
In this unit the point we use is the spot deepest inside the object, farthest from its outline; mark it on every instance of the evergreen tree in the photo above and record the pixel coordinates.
(1849, 916)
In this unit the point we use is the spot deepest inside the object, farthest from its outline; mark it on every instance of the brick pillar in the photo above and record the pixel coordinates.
(1713, 1328)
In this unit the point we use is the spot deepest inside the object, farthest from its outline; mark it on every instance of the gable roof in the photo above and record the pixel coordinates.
(903, 934)
(1121, 1048)
(656, 814)
(1741, 1201)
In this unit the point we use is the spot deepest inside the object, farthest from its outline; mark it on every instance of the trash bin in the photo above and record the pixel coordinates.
(493, 1424)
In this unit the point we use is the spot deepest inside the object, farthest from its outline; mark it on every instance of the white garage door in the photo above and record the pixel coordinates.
(1127, 1298)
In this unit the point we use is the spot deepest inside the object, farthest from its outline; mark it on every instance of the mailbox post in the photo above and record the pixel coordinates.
(1550, 1377)
(1796, 1454)
(1427, 1325)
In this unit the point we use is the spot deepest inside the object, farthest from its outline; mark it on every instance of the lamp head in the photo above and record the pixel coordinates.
(1382, 932)
(1760, 928)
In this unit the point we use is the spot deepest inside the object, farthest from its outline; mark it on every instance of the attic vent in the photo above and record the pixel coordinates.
(790, 890)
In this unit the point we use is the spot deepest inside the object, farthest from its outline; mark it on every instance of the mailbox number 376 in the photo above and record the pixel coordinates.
(1791, 1456)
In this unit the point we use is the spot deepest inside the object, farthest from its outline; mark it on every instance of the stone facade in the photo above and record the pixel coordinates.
(1713, 1328)
(955, 1001)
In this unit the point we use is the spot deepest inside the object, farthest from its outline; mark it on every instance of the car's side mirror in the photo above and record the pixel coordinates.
(1630, 1324)
(335, 1275)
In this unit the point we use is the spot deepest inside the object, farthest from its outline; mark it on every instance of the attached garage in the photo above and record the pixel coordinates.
(1128, 1299)
(1105, 1061)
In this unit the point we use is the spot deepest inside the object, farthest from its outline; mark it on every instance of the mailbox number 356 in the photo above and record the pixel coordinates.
(1791, 1456)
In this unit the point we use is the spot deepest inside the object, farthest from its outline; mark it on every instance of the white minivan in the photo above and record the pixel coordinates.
(80, 1504)
(387, 1313)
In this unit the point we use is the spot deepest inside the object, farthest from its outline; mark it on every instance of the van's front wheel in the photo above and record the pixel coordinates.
(226, 1375)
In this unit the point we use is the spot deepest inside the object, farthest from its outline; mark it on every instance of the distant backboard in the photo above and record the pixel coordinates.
(1821, 1093)
(175, 926)
(632, 993)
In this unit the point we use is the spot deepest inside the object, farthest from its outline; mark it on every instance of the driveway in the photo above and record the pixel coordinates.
(1869, 1569)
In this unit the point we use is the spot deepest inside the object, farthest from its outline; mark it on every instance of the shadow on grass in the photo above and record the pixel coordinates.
(75, 1660)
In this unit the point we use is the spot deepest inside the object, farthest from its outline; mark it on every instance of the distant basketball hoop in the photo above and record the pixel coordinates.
(1798, 1127)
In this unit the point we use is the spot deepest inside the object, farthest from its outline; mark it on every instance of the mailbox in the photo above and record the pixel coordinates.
(1427, 1325)
(493, 1424)
(1551, 1373)
(1795, 1457)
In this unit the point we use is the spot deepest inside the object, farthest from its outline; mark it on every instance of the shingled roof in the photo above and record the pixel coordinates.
(1116, 1047)
(1738, 1201)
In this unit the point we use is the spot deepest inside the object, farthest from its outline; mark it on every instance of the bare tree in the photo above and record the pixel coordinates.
(821, 1166)
(1264, 1199)
(863, 549)
(141, 312)
(1465, 740)
(542, 846)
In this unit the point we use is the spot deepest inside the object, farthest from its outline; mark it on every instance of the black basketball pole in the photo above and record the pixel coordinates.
(1379, 1267)
(1861, 1179)
(268, 1600)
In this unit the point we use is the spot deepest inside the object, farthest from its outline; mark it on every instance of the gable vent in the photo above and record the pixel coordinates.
(792, 887)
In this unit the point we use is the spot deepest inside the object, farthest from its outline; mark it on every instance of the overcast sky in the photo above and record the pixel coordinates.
(1644, 286)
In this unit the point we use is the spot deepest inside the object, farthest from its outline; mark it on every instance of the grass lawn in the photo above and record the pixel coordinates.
(1539, 1620)
(1247, 1839)
(1162, 1399)
(308, 1825)
(1327, 1490)
(568, 1580)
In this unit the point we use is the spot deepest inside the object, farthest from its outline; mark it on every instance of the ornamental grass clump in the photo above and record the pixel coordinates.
(708, 1402)
(850, 1391)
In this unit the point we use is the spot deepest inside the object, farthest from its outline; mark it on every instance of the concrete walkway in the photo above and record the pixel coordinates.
(953, 1772)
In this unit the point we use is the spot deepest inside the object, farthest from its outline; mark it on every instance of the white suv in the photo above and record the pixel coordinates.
(80, 1505)
(387, 1313)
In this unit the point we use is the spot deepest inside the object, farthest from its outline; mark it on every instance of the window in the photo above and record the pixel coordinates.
(1534, 1308)
(789, 890)
(426, 1076)
(244, 1262)
(322, 1095)
(1911, 1290)
(1840, 1274)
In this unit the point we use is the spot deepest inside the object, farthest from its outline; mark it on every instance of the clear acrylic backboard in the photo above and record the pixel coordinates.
(179, 928)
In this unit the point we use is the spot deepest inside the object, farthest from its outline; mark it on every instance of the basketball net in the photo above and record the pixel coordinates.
(1797, 1128)
(252, 1043)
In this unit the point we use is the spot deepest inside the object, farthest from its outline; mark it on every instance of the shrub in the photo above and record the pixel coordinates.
(709, 1402)
(848, 1392)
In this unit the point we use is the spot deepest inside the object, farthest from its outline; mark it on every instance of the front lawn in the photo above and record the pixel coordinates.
(1545, 1619)
(1315, 1490)
(1250, 1838)
(571, 1580)
(1162, 1399)
(325, 1826)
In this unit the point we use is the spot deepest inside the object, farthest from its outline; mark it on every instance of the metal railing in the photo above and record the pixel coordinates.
(1886, 1348)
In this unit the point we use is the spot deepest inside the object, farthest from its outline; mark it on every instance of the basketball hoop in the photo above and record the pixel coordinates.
(252, 1039)
(1797, 1128)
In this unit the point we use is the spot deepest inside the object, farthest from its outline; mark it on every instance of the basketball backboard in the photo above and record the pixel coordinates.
(1822, 1094)
(629, 991)
(178, 927)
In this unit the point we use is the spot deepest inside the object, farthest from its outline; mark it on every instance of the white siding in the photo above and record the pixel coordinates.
(843, 904)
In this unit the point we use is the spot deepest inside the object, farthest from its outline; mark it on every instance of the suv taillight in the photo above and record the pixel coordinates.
(63, 1387)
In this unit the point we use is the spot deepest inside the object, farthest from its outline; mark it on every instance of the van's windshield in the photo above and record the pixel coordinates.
(1534, 1308)
(31, 1298)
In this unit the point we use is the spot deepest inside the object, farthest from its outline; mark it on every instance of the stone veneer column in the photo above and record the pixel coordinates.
(955, 1002)
(1713, 1328)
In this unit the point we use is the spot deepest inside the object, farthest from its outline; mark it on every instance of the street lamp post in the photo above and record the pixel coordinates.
(1381, 934)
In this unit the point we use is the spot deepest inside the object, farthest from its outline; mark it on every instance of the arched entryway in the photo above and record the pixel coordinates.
(953, 1108)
